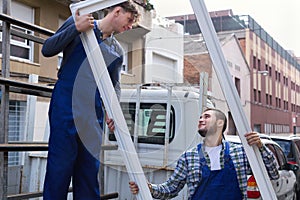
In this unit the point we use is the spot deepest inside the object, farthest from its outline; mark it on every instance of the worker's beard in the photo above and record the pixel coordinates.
(202, 132)
(207, 131)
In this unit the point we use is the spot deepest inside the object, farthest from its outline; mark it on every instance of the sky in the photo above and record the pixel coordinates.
(281, 19)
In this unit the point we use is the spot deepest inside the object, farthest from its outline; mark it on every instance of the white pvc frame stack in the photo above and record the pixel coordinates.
(109, 97)
(232, 97)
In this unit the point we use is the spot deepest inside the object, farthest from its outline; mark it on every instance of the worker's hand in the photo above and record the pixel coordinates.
(133, 187)
(253, 139)
(83, 22)
(110, 124)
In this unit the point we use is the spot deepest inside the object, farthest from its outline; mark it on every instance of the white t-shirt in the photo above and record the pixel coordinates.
(214, 156)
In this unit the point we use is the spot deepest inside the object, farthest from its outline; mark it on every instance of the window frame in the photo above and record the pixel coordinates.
(147, 139)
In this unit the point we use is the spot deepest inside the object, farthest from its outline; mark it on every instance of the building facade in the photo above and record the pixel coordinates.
(195, 51)
(275, 98)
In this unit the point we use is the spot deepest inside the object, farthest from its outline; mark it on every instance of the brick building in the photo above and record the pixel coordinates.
(275, 98)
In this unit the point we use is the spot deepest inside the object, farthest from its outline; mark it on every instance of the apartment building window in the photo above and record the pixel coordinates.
(229, 63)
(270, 101)
(254, 62)
(238, 85)
(293, 106)
(254, 95)
(285, 105)
(259, 96)
(285, 81)
(258, 65)
(257, 128)
(20, 47)
(16, 126)
(125, 56)
(267, 99)
(270, 71)
(293, 85)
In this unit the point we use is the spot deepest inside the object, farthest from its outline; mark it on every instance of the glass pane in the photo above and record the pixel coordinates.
(151, 125)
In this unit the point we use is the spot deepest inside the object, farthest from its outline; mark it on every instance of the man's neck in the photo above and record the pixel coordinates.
(105, 27)
(213, 140)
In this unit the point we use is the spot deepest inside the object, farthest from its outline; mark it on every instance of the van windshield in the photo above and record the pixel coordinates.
(151, 126)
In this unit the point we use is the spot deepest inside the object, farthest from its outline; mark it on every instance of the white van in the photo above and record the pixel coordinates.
(174, 110)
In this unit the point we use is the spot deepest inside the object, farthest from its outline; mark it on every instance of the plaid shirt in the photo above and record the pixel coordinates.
(188, 171)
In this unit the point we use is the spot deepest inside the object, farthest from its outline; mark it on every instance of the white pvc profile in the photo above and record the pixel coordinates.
(109, 97)
(232, 97)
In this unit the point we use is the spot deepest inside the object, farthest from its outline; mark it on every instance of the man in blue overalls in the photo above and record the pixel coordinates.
(215, 169)
(75, 113)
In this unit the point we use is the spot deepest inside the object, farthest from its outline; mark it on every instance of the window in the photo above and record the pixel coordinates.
(279, 155)
(20, 47)
(238, 85)
(259, 96)
(254, 62)
(152, 122)
(257, 128)
(254, 95)
(229, 63)
(16, 126)
(125, 56)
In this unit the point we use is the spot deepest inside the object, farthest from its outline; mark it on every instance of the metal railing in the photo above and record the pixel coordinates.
(10, 85)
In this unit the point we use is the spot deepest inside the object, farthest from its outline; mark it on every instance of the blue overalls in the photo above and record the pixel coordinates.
(76, 119)
(218, 184)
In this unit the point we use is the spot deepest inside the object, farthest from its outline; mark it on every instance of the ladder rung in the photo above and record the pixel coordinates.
(39, 194)
(37, 146)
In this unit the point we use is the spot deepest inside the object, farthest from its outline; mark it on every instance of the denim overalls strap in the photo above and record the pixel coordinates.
(218, 184)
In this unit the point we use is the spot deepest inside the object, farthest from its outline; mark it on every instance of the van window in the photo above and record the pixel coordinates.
(151, 127)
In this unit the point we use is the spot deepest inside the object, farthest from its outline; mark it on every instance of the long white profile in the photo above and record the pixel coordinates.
(232, 97)
(109, 97)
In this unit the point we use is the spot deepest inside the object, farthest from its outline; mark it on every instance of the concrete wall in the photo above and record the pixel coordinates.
(164, 55)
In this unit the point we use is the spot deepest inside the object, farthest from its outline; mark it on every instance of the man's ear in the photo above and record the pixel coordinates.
(117, 11)
(220, 123)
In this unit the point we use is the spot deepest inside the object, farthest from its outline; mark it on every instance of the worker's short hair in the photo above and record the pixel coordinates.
(128, 6)
(219, 115)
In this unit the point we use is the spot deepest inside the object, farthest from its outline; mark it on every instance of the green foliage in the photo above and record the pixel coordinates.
(148, 5)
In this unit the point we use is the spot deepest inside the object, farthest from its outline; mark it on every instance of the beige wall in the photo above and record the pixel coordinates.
(47, 13)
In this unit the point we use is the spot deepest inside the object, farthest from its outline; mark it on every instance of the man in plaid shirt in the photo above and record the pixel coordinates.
(215, 169)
